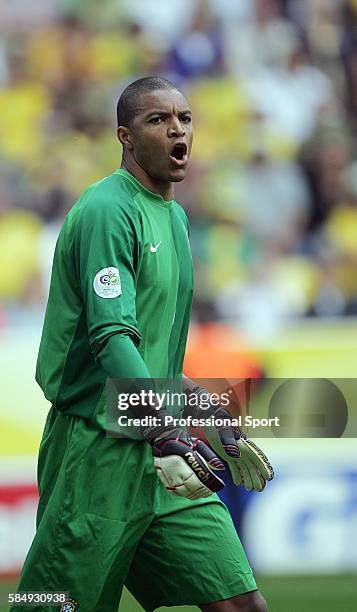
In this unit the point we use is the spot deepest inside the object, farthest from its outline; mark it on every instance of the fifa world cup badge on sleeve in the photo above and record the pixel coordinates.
(107, 283)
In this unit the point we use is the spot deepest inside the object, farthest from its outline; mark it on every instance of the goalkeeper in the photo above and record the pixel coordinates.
(119, 307)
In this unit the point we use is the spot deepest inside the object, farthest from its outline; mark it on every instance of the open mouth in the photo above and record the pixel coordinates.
(179, 153)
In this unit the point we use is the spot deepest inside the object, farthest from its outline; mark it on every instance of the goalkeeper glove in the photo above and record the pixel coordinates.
(186, 466)
(247, 462)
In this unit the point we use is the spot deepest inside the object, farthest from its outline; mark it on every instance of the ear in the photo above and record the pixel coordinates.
(124, 136)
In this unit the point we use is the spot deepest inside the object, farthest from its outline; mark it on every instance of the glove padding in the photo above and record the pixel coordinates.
(247, 462)
(186, 466)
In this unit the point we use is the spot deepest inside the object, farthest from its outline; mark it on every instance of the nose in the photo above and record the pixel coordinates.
(176, 128)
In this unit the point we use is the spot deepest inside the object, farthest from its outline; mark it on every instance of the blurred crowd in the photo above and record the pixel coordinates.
(272, 188)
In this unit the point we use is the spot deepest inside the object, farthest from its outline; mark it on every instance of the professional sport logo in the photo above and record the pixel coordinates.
(107, 283)
(69, 606)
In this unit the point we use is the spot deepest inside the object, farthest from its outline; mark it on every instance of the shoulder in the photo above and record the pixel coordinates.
(111, 193)
(111, 199)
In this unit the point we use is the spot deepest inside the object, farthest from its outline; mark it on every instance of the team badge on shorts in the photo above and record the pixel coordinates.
(107, 283)
(69, 606)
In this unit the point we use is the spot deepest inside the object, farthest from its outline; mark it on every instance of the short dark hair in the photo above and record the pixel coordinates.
(129, 100)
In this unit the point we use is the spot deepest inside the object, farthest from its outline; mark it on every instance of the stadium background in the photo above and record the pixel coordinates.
(272, 198)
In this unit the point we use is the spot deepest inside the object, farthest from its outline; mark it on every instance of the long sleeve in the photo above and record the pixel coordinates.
(107, 253)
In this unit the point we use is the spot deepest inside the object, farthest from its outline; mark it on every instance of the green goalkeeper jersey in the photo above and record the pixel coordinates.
(122, 265)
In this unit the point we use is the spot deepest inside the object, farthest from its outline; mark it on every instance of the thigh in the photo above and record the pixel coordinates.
(99, 502)
(54, 446)
(191, 554)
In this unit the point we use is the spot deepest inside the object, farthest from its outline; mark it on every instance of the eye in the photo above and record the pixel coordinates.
(186, 119)
(156, 120)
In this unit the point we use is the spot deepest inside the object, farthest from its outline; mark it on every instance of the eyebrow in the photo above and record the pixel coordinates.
(166, 113)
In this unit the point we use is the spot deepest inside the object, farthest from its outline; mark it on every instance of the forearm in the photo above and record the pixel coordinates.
(121, 359)
(123, 364)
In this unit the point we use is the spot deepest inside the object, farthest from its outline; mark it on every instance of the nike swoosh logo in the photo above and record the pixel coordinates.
(153, 249)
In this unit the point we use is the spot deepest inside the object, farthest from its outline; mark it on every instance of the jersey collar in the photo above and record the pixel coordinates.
(155, 197)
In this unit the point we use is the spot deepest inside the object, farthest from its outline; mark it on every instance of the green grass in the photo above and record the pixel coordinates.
(284, 594)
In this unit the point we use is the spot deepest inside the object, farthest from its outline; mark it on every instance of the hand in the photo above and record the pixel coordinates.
(247, 462)
(186, 465)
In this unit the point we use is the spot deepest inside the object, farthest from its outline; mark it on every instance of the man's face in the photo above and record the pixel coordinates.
(161, 135)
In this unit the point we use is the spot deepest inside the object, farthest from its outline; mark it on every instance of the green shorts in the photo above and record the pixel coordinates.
(105, 520)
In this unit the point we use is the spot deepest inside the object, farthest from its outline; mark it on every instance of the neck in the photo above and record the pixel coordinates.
(163, 188)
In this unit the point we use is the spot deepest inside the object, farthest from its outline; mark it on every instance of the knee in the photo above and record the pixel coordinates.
(255, 603)
(246, 602)
(251, 602)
